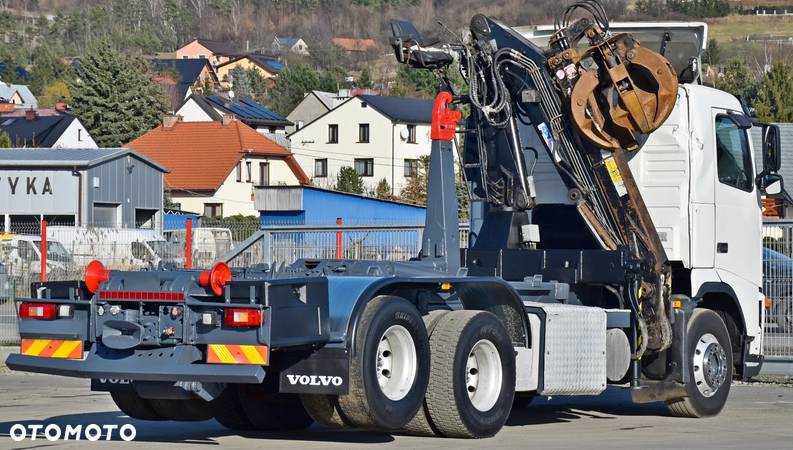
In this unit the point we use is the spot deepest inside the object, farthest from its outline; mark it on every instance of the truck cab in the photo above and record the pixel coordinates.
(696, 174)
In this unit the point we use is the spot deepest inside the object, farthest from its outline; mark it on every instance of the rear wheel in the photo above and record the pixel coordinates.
(270, 411)
(710, 367)
(472, 386)
(187, 410)
(324, 409)
(420, 425)
(229, 412)
(134, 405)
(389, 369)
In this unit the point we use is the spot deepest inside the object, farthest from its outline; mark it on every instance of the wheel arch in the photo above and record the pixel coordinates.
(721, 299)
(486, 294)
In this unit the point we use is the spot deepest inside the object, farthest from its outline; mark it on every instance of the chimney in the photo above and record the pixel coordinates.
(169, 120)
(31, 114)
(227, 119)
(60, 106)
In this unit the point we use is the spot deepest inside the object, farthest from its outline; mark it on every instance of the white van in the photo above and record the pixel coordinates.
(117, 248)
(21, 257)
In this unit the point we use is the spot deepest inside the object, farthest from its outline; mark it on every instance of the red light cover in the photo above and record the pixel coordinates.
(95, 274)
(242, 317)
(44, 311)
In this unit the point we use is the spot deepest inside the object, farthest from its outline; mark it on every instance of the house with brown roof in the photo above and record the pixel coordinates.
(267, 66)
(216, 165)
(354, 45)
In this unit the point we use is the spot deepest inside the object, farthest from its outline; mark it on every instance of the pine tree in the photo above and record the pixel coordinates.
(241, 83)
(415, 191)
(5, 140)
(775, 94)
(114, 96)
(48, 66)
(349, 181)
(383, 190)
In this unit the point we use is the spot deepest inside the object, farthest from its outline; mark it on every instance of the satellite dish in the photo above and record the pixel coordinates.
(404, 135)
(231, 94)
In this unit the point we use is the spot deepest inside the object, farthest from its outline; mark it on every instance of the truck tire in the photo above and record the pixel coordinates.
(710, 367)
(135, 406)
(390, 365)
(324, 409)
(189, 410)
(472, 386)
(229, 412)
(420, 424)
(272, 411)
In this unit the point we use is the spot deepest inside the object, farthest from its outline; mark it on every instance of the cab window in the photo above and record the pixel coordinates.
(733, 158)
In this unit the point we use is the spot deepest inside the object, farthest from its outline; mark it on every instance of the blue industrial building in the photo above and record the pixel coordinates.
(308, 205)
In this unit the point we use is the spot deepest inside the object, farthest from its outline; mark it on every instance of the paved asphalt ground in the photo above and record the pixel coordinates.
(758, 416)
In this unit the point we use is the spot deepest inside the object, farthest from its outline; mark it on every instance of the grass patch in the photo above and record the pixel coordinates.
(743, 28)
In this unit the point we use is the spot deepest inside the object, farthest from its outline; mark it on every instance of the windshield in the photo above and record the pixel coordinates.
(55, 251)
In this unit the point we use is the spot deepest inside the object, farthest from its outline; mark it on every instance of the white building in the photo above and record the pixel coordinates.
(381, 137)
(45, 128)
(208, 108)
(296, 45)
(214, 166)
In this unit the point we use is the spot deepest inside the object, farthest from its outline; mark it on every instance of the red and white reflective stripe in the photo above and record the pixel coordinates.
(135, 295)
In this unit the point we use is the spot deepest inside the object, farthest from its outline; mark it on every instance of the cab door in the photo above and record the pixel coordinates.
(737, 201)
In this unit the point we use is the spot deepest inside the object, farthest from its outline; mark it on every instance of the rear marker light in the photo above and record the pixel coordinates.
(42, 311)
(128, 295)
(242, 317)
(65, 310)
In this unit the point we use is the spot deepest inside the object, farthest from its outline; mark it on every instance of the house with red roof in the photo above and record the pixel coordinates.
(216, 165)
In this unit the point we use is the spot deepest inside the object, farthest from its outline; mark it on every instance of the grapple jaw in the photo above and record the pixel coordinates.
(619, 91)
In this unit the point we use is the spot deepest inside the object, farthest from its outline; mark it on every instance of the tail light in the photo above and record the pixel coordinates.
(42, 311)
(242, 317)
(768, 303)
(95, 274)
(217, 278)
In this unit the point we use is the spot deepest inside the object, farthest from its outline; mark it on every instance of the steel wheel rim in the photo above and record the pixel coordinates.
(710, 365)
(396, 362)
(483, 375)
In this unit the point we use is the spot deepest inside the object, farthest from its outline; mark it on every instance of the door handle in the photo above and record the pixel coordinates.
(722, 247)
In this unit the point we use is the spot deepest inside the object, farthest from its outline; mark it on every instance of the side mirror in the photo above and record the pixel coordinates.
(772, 149)
(770, 183)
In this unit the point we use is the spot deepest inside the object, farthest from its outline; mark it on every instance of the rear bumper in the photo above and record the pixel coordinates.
(179, 363)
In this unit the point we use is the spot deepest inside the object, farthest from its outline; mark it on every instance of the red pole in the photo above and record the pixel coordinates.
(43, 249)
(338, 239)
(188, 251)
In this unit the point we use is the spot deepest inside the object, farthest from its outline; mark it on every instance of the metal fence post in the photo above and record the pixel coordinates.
(339, 239)
(188, 240)
(43, 249)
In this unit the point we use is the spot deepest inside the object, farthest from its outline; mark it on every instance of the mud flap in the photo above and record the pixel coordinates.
(325, 371)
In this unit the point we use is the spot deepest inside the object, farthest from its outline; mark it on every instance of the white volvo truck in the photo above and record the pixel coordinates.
(615, 238)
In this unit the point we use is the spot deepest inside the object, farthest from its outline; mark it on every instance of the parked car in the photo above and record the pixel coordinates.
(778, 286)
